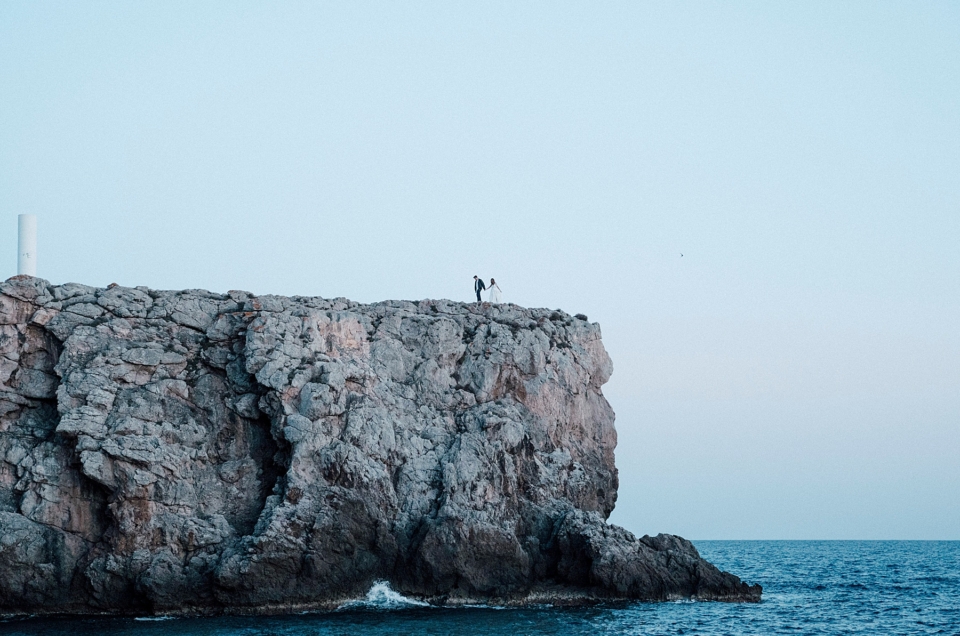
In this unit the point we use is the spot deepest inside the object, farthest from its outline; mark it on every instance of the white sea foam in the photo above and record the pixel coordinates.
(154, 618)
(382, 596)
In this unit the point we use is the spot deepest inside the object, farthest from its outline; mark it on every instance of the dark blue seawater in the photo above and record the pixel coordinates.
(810, 587)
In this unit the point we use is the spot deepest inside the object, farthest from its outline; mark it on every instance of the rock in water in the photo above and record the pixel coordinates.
(195, 452)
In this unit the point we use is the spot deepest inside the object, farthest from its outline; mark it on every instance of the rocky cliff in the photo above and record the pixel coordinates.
(196, 452)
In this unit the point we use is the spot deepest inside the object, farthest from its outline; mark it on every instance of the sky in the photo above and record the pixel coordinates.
(795, 374)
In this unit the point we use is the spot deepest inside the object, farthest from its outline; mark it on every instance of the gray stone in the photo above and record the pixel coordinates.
(192, 452)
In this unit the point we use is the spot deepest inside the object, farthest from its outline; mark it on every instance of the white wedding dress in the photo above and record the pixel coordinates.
(495, 296)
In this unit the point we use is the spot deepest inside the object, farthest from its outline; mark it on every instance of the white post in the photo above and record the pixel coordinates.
(27, 254)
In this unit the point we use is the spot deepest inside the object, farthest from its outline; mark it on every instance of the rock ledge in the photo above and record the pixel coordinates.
(189, 452)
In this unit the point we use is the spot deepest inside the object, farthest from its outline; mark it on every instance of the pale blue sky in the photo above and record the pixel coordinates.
(795, 375)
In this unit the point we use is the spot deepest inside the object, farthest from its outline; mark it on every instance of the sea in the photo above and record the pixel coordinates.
(809, 587)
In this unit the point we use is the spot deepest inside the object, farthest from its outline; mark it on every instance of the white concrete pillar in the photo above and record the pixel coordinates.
(27, 254)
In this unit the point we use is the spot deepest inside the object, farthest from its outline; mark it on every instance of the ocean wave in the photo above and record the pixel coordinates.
(383, 597)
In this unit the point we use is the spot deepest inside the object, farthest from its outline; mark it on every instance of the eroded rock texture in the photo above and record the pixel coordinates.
(194, 452)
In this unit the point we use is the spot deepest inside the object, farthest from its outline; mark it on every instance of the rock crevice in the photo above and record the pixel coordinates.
(196, 452)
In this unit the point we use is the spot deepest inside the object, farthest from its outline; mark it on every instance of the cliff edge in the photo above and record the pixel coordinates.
(191, 452)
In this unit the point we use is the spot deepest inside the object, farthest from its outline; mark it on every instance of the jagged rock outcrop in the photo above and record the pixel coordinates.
(196, 452)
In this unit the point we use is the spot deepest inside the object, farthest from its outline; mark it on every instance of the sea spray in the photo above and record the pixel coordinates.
(381, 596)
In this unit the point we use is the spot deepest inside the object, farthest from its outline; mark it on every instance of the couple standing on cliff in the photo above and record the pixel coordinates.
(478, 287)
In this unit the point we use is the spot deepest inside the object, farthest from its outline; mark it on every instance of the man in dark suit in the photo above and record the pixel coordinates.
(478, 287)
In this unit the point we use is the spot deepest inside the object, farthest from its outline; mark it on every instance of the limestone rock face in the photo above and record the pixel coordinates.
(196, 452)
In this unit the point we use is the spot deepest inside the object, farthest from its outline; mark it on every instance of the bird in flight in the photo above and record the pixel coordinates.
(681, 256)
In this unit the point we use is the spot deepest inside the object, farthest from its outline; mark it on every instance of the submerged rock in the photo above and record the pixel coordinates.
(195, 452)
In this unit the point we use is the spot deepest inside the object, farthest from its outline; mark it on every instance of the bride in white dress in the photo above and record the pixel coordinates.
(495, 295)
